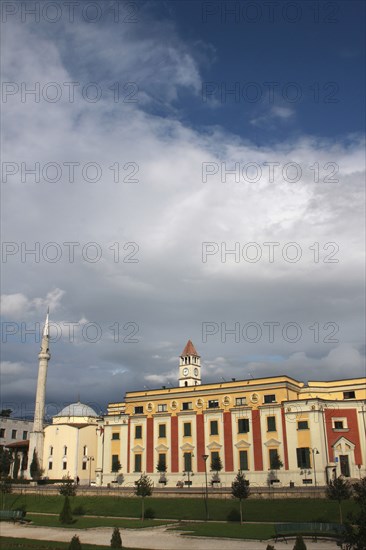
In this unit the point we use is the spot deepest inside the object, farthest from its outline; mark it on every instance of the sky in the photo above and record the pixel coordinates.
(177, 170)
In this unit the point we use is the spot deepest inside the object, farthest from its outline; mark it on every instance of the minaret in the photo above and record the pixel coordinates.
(189, 366)
(36, 441)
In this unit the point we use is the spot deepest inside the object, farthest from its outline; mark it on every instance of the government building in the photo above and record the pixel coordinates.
(276, 430)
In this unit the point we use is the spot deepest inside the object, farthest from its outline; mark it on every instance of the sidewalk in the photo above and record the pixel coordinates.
(157, 538)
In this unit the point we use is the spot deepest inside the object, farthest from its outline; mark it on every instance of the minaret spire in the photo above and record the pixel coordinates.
(36, 442)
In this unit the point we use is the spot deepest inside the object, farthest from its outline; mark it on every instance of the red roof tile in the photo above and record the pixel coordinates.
(189, 349)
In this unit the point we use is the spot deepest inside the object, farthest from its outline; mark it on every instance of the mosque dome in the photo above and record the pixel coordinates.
(78, 409)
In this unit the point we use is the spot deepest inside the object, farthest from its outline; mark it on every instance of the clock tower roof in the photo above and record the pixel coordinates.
(189, 350)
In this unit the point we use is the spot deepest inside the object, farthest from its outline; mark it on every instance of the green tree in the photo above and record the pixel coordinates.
(216, 464)
(116, 466)
(75, 543)
(116, 541)
(143, 489)
(68, 487)
(276, 462)
(5, 462)
(339, 489)
(65, 515)
(240, 490)
(35, 469)
(354, 537)
(5, 413)
(161, 468)
(299, 543)
(5, 489)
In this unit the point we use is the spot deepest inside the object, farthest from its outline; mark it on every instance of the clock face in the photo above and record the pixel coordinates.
(196, 372)
(185, 371)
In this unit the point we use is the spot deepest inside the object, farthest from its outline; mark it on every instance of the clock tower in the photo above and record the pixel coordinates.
(189, 366)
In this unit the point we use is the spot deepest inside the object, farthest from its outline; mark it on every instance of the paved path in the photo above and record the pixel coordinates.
(156, 538)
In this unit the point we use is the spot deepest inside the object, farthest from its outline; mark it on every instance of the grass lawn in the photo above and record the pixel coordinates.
(9, 543)
(270, 510)
(84, 522)
(229, 530)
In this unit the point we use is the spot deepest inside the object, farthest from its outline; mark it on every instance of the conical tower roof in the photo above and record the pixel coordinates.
(189, 349)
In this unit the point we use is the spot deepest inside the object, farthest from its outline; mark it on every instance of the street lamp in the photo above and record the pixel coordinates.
(205, 457)
(90, 460)
(314, 452)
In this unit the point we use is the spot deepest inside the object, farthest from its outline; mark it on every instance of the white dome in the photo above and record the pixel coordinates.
(78, 409)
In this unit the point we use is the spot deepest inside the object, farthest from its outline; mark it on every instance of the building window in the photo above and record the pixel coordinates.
(243, 425)
(138, 432)
(84, 464)
(271, 424)
(162, 460)
(139, 410)
(270, 398)
(50, 465)
(162, 430)
(303, 425)
(137, 463)
(303, 457)
(163, 407)
(214, 427)
(187, 431)
(187, 406)
(2, 432)
(213, 404)
(273, 458)
(51, 450)
(349, 395)
(239, 401)
(13, 434)
(85, 450)
(215, 455)
(25, 434)
(187, 462)
(243, 460)
(338, 425)
(64, 465)
(115, 435)
(65, 450)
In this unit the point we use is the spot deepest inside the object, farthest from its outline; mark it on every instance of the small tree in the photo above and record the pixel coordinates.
(161, 468)
(65, 515)
(299, 543)
(216, 464)
(143, 489)
(240, 490)
(339, 489)
(355, 528)
(5, 489)
(116, 541)
(75, 543)
(35, 469)
(5, 462)
(68, 487)
(116, 466)
(276, 462)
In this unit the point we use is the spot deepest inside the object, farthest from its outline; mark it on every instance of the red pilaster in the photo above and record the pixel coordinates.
(200, 442)
(257, 440)
(174, 442)
(228, 442)
(352, 434)
(284, 435)
(149, 445)
(128, 445)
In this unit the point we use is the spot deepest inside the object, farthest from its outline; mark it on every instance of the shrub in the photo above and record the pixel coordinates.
(79, 511)
(75, 543)
(149, 513)
(233, 515)
(116, 541)
(269, 547)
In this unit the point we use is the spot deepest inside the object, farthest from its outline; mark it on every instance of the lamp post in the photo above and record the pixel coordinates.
(90, 460)
(314, 452)
(205, 457)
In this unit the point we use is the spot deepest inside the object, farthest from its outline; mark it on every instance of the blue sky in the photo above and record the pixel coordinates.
(134, 156)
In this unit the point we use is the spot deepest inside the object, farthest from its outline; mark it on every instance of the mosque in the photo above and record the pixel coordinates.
(276, 430)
